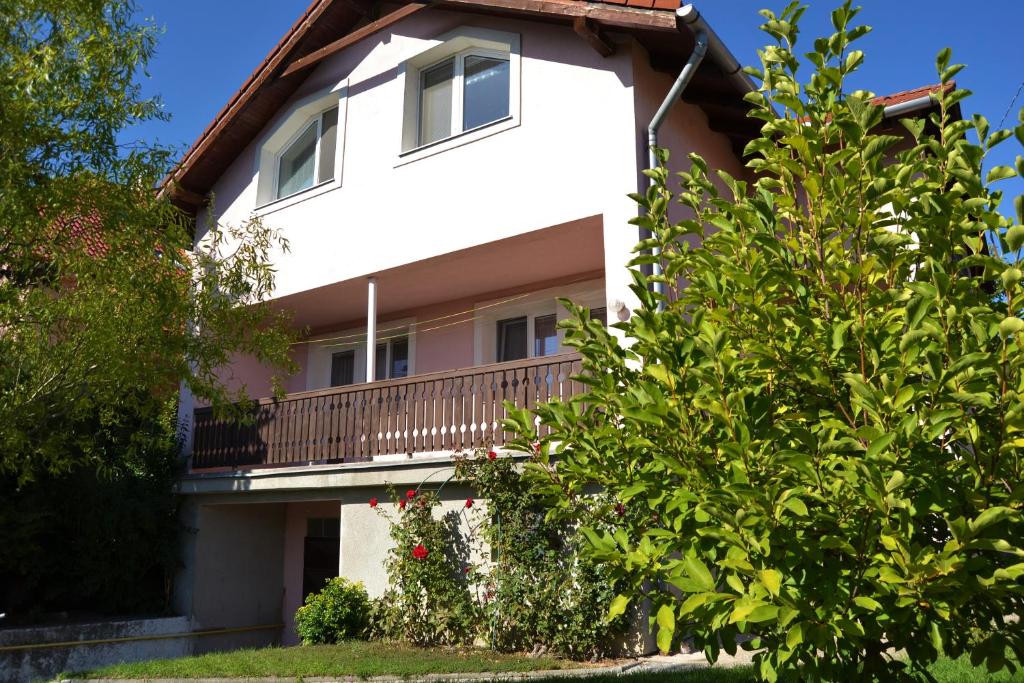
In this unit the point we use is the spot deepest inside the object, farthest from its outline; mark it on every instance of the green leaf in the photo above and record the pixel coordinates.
(666, 618)
(1015, 237)
(880, 444)
(794, 636)
(698, 572)
(992, 515)
(998, 173)
(867, 603)
(770, 579)
(618, 606)
(796, 505)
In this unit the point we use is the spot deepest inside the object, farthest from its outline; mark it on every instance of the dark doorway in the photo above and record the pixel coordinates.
(320, 553)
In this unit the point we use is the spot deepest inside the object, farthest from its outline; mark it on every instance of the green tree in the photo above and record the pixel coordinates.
(105, 308)
(820, 438)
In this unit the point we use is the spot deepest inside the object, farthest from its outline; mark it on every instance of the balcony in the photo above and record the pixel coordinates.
(430, 413)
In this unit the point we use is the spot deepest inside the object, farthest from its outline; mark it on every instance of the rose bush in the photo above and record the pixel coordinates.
(428, 601)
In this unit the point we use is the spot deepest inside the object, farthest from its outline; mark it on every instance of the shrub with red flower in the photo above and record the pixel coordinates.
(410, 494)
(401, 504)
(420, 552)
(469, 503)
(373, 502)
(491, 455)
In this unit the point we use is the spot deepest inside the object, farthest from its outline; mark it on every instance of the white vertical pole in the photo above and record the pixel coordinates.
(371, 329)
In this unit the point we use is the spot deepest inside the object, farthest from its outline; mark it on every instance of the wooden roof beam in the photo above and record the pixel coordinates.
(607, 16)
(591, 32)
(317, 56)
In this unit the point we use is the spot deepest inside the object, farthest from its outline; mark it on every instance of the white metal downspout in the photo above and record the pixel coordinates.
(371, 329)
(705, 40)
(700, 49)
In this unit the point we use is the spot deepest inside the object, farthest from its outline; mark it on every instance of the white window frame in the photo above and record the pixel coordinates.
(459, 93)
(389, 358)
(291, 124)
(589, 293)
(457, 44)
(323, 346)
(317, 120)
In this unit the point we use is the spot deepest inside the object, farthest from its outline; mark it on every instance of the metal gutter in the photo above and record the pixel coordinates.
(923, 102)
(706, 41)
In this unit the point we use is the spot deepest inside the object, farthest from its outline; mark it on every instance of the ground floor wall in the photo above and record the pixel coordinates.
(246, 551)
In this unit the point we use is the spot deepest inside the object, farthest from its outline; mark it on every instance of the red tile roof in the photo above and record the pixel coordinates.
(84, 231)
(913, 94)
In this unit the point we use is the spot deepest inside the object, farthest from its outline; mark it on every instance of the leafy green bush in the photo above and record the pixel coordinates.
(539, 590)
(340, 611)
(819, 441)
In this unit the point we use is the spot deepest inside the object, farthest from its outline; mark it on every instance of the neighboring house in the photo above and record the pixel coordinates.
(443, 172)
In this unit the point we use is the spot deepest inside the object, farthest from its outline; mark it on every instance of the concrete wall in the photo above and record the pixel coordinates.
(239, 572)
(43, 663)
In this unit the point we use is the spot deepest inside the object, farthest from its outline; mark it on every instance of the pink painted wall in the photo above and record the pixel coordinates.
(246, 372)
(296, 515)
(447, 343)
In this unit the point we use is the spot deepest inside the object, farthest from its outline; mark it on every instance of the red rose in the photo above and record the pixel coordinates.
(401, 505)
(373, 502)
(469, 502)
(419, 552)
(620, 509)
(491, 455)
(410, 494)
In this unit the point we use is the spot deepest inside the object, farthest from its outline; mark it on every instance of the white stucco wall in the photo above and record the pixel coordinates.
(573, 154)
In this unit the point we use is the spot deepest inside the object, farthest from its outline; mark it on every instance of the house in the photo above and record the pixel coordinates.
(443, 171)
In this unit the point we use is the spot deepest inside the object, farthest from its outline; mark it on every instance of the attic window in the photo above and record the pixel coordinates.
(463, 88)
(461, 93)
(308, 159)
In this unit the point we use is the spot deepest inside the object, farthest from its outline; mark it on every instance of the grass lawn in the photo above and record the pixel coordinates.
(355, 658)
(364, 659)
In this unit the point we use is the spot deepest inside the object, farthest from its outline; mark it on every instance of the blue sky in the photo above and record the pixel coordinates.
(209, 47)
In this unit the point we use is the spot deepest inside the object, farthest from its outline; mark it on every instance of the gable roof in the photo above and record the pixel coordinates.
(326, 23)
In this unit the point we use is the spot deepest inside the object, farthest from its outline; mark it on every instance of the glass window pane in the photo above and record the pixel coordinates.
(600, 314)
(436, 102)
(328, 143)
(342, 368)
(485, 93)
(295, 171)
(380, 366)
(545, 336)
(400, 358)
(511, 339)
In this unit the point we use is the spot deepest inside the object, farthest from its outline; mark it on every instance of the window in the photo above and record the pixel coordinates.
(308, 159)
(511, 339)
(461, 93)
(464, 88)
(323, 527)
(392, 359)
(545, 335)
(343, 364)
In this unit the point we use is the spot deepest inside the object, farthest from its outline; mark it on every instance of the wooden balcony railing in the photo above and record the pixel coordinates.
(443, 411)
